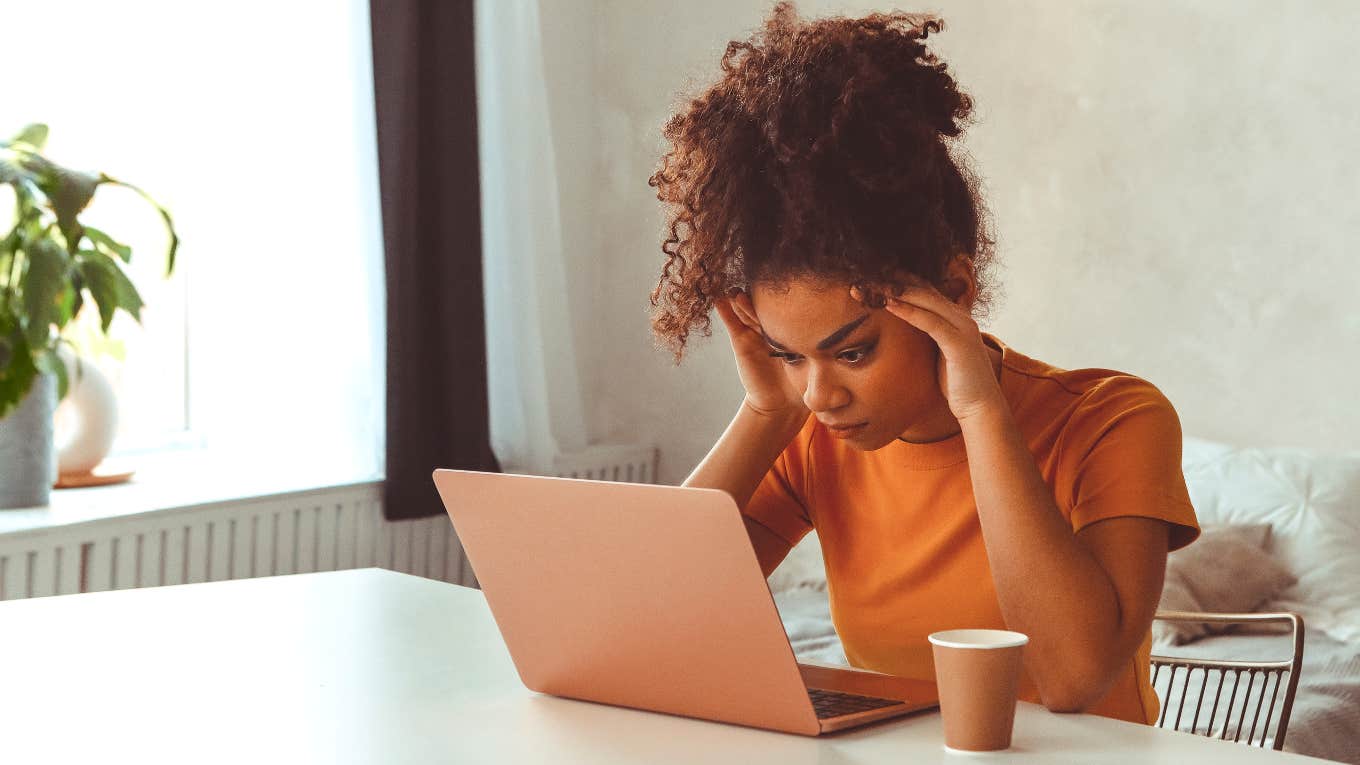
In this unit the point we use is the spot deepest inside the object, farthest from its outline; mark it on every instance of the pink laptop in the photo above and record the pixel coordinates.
(649, 597)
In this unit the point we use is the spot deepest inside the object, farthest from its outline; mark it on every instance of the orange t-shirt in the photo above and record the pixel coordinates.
(899, 528)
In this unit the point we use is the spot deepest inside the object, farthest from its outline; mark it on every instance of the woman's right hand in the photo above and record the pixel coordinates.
(768, 389)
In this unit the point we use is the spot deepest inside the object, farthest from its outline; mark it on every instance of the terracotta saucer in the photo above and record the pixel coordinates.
(100, 476)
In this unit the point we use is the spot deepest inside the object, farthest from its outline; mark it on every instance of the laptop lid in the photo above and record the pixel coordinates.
(637, 595)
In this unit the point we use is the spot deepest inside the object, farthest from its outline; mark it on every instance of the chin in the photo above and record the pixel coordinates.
(871, 442)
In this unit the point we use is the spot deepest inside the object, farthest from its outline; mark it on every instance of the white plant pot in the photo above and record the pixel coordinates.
(86, 420)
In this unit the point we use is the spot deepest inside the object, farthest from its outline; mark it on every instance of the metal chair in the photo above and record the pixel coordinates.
(1233, 721)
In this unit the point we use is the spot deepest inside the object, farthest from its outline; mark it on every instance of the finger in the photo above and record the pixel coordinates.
(913, 283)
(901, 305)
(940, 329)
(929, 298)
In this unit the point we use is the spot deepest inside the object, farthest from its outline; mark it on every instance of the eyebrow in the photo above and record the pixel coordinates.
(830, 340)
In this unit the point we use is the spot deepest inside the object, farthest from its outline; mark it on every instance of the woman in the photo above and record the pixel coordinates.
(816, 200)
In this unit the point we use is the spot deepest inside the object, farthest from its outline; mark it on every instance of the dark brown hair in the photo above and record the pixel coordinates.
(823, 149)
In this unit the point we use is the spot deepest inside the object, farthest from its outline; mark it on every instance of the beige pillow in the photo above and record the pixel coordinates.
(1227, 570)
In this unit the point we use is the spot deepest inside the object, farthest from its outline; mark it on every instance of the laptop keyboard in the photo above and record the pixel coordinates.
(834, 703)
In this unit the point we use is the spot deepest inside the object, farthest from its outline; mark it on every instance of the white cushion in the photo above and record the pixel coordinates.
(1311, 500)
(801, 569)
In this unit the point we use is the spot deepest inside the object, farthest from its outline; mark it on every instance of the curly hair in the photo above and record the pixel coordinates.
(823, 149)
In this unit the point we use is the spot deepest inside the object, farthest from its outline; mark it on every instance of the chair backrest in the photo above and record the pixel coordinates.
(1238, 688)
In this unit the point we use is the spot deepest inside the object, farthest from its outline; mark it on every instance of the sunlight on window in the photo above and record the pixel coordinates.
(252, 123)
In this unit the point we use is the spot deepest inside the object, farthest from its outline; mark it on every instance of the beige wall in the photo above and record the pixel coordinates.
(1174, 188)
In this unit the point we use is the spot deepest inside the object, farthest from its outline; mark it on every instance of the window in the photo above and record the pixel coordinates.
(252, 123)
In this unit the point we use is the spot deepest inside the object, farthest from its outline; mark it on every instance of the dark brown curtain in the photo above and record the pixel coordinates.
(426, 99)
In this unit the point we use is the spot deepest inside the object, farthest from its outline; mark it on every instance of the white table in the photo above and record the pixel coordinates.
(371, 666)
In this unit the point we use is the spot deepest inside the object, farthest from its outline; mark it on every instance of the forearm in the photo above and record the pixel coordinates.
(1048, 586)
(743, 455)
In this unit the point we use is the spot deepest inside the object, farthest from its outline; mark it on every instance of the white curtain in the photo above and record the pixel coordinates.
(535, 394)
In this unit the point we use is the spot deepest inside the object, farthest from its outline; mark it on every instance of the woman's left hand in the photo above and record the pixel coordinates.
(965, 371)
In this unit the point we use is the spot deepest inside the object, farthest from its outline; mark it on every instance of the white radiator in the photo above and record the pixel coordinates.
(322, 530)
(628, 463)
(297, 533)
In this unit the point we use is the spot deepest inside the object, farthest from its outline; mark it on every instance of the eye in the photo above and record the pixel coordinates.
(856, 355)
(787, 358)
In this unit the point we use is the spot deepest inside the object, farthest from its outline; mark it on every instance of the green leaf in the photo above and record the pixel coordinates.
(18, 372)
(77, 292)
(165, 215)
(71, 195)
(105, 241)
(11, 241)
(9, 171)
(28, 192)
(35, 135)
(68, 192)
(75, 355)
(7, 247)
(109, 286)
(50, 361)
(66, 302)
(43, 288)
(38, 169)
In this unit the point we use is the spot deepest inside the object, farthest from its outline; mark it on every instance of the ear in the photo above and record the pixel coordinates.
(960, 281)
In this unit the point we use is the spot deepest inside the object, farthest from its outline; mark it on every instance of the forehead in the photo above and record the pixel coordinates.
(805, 310)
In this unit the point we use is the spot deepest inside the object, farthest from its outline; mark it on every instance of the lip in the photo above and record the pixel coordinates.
(845, 431)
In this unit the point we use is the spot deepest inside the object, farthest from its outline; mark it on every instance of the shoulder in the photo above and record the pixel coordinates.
(1081, 409)
(1121, 456)
(1105, 398)
(1118, 423)
(1090, 399)
(1105, 407)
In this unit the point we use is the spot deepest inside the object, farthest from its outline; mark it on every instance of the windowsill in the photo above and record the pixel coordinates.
(176, 480)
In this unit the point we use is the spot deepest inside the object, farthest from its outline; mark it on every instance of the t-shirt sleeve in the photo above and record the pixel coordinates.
(778, 503)
(1128, 460)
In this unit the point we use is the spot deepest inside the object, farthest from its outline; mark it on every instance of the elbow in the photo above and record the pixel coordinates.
(1077, 693)
(1068, 702)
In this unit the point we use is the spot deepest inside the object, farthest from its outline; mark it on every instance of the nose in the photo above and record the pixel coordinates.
(823, 393)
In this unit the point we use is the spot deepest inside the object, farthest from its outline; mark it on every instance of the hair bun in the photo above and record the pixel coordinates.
(819, 150)
(828, 87)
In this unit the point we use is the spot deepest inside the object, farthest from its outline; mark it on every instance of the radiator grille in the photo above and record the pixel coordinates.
(321, 530)
(628, 463)
(324, 530)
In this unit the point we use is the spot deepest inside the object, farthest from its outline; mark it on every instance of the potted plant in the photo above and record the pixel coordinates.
(51, 266)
